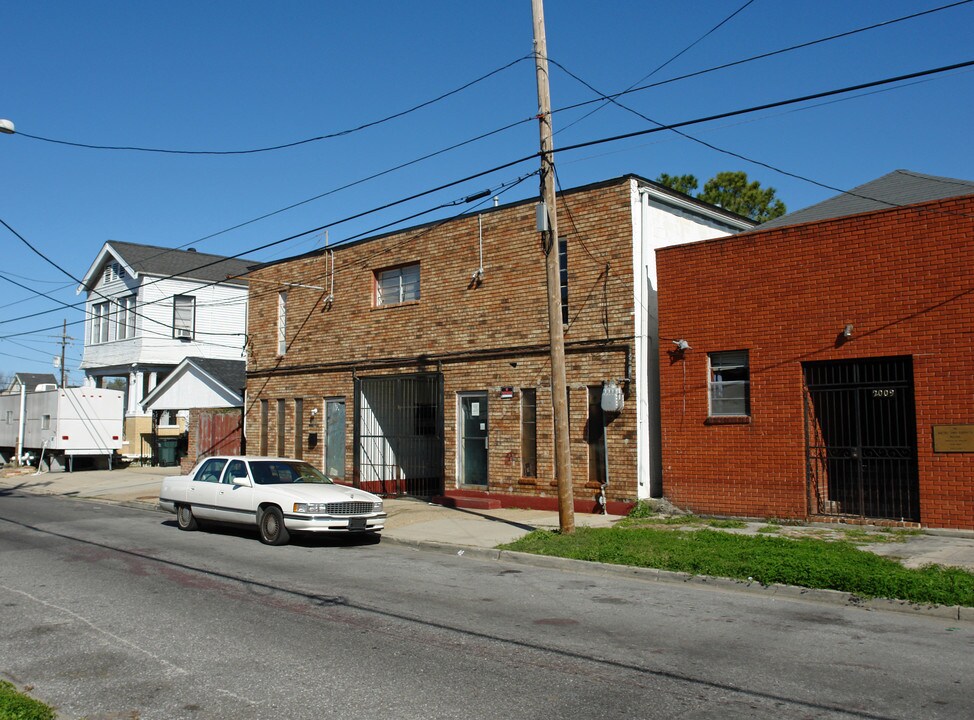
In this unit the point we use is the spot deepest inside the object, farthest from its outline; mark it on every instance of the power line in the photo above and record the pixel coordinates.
(771, 53)
(251, 151)
(661, 66)
(569, 148)
(256, 249)
(767, 106)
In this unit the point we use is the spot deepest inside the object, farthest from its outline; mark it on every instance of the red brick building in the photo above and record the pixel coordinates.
(827, 369)
(417, 362)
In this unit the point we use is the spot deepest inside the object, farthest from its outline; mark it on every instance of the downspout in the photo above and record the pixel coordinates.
(21, 426)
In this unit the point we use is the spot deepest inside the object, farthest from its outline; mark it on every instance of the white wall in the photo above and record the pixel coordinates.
(658, 220)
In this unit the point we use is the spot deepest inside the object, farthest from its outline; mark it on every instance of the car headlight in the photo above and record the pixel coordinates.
(377, 506)
(310, 507)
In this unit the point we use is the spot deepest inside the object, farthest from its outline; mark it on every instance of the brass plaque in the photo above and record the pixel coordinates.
(953, 438)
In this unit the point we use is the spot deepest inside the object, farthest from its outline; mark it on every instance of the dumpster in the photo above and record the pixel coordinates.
(167, 452)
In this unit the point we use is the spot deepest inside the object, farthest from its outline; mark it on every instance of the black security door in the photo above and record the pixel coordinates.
(860, 430)
(399, 434)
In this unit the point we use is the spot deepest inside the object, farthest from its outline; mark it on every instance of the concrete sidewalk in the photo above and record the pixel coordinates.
(416, 522)
(409, 520)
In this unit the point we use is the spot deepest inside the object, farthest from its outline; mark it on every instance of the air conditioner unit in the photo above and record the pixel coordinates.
(184, 334)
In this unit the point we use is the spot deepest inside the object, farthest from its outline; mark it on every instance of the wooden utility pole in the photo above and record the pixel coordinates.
(549, 242)
(64, 342)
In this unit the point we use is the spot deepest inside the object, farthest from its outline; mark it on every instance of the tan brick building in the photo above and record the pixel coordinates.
(827, 374)
(417, 362)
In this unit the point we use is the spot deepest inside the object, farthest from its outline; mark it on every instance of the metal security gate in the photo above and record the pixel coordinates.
(860, 434)
(399, 434)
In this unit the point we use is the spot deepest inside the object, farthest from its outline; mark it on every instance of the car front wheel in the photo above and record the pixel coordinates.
(185, 518)
(272, 530)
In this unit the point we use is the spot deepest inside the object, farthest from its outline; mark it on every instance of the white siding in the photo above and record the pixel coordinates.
(219, 328)
(192, 389)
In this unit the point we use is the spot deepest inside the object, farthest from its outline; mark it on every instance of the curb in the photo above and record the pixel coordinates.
(774, 591)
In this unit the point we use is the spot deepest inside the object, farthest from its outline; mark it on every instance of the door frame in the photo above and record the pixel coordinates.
(461, 478)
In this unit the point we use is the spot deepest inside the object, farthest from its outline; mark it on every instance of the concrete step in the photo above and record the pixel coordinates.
(468, 503)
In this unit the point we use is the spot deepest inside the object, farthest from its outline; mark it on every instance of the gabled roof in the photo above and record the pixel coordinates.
(900, 187)
(230, 373)
(226, 377)
(31, 380)
(165, 262)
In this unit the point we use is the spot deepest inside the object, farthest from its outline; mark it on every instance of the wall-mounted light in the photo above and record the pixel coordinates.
(847, 331)
(682, 345)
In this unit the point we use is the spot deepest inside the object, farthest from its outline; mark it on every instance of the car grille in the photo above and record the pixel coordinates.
(349, 508)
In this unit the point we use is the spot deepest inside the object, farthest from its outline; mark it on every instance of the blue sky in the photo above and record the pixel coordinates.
(223, 75)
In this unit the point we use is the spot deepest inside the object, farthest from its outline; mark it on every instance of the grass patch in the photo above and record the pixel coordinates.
(727, 524)
(806, 562)
(770, 529)
(15, 705)
(656, 520)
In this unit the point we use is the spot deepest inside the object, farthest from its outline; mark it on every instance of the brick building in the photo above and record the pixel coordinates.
(826, 374)
(417, 362)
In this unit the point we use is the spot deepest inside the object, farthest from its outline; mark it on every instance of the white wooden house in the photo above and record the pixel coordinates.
(148, 309)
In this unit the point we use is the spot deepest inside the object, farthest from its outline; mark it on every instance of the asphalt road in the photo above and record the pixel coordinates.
(111, 612)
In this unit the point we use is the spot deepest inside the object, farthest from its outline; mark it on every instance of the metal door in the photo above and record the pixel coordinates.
(474, 434)
(399, 434)
(860, 430)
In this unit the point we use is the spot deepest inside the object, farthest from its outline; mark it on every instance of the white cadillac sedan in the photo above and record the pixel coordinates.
(276, 494)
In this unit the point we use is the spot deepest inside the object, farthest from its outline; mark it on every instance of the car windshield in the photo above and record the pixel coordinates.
(285, 472)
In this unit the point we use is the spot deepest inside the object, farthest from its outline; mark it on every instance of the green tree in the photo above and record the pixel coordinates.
(685, 184)
(731, 191)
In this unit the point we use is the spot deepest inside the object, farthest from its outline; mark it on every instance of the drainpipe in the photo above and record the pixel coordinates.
(22, 424)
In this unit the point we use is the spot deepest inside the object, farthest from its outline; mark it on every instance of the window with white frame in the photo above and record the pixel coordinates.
(730, 383)
(100, 316)
(125, 318)
(282, 322)
(183, 316)
(397, 285)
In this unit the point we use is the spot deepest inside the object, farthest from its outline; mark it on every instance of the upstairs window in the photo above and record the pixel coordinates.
(730, 381)
(183, 317)
(125, 318)
(282, 322)
(397, 285)
(99, 323)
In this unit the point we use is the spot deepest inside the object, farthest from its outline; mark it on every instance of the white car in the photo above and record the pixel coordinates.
(277, 495)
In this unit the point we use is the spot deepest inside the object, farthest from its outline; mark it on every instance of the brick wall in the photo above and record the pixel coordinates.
(482, 336)
(901, 277)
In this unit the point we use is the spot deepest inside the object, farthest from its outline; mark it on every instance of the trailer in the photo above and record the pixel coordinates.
(61, 424)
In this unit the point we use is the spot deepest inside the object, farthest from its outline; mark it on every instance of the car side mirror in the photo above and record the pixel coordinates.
(243, 481)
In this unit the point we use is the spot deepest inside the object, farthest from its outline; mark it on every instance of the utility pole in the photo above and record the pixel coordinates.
(64, 342)
(549, 242)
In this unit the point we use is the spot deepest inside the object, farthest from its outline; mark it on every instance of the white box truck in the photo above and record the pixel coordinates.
(60, 424)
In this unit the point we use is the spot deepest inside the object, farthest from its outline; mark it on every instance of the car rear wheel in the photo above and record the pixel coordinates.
(272, 530)
(185, 518)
